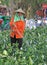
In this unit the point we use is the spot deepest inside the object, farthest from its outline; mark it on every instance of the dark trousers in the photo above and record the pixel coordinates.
(19, 41)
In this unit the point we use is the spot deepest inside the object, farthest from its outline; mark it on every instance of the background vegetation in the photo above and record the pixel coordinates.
(30, 6)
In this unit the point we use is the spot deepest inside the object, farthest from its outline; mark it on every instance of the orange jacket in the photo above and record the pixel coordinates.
(17, 31)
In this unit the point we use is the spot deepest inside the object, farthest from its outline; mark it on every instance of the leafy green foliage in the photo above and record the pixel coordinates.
(33, 51)
(4, 2)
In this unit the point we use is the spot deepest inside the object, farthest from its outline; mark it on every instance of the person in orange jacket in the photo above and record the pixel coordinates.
(17, 25)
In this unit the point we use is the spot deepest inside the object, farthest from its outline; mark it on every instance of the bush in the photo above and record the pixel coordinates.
(33, 51)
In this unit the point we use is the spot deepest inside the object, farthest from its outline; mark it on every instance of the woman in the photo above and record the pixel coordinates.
(17, 25)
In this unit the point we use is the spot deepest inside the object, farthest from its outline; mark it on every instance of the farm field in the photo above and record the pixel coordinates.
(33, 51)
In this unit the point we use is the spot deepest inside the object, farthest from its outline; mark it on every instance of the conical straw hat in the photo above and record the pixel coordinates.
(20, 10)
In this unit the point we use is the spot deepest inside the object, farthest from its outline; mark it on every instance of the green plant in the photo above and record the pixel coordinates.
(33, 51)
